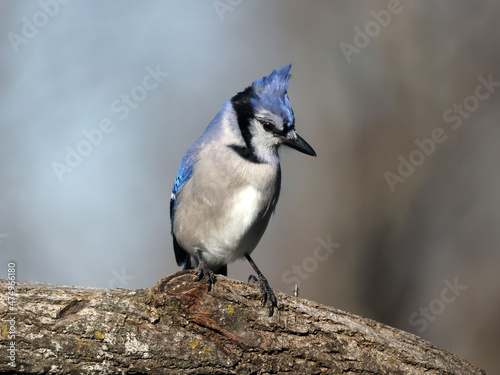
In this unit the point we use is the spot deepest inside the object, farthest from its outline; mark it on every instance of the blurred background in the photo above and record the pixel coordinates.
(397, 219)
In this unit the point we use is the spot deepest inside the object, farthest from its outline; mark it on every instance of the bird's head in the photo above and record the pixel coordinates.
(266, 119)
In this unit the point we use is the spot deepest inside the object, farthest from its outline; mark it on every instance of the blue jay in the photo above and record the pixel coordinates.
(229, 181)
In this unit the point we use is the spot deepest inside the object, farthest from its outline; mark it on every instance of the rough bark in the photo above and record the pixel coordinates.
(177, 327)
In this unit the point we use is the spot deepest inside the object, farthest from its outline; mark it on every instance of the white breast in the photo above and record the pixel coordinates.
(224, 208)
(243, 210)
(246, 207)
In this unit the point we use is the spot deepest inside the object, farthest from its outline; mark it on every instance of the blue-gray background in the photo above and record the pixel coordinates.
(107, 223)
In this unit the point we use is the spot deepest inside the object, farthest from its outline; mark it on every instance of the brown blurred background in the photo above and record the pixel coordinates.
(415, 228)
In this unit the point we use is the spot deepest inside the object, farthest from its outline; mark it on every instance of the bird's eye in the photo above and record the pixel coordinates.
(268, 126)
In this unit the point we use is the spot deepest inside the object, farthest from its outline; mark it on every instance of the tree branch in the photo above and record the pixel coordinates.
(177, 327)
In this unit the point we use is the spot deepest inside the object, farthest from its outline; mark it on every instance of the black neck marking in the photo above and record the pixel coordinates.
(244, 112)
(246, 153)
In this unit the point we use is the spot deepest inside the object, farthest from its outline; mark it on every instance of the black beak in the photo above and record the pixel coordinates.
(298, 143)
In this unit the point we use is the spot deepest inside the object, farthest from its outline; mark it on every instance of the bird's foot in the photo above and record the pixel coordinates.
(267, 293)
(204, 272)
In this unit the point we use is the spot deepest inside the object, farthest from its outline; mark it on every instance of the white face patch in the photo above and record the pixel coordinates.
(264, 143)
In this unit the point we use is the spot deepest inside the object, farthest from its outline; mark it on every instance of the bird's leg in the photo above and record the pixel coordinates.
(268, 296)
(204, 271)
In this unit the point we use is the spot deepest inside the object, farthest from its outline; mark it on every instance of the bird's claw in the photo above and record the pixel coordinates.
(204, 271)
(266, 292)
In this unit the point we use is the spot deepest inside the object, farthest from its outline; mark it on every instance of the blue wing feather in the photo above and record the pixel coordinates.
(183, 175)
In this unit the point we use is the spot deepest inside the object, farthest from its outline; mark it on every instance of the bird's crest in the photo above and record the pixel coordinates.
(271, 93)
(275, 83)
